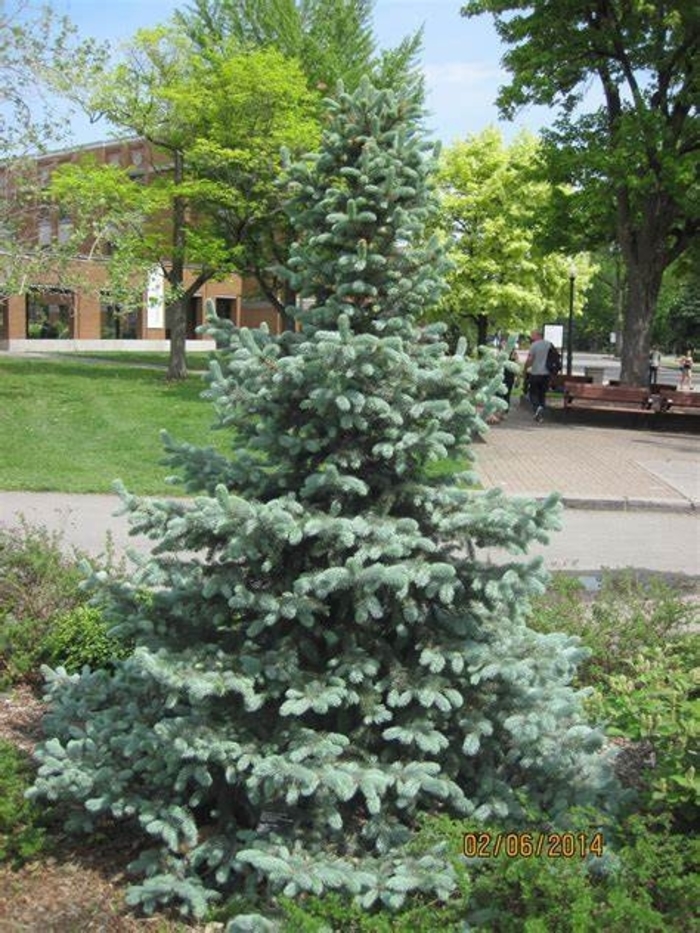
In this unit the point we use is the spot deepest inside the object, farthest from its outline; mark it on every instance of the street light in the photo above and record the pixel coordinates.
(570, 336)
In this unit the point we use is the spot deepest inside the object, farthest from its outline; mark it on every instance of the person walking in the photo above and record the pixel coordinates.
(510, 374)
(654, 363)
(538, 373)
(686, 367)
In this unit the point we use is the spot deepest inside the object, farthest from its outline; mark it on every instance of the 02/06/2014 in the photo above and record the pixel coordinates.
(532, 845)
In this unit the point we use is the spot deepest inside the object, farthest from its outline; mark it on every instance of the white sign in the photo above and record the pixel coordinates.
(155, 299)
(555, 334)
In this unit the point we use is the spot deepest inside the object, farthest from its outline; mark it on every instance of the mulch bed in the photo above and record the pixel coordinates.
(79, 888)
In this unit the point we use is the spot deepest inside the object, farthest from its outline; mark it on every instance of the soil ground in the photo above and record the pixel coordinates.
(77, 888)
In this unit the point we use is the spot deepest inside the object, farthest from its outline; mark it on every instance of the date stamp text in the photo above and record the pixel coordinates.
(532, 845)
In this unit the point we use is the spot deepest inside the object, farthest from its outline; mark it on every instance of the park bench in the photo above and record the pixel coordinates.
(689, 401)
(558, 382)
(653, 390)
(629, 398)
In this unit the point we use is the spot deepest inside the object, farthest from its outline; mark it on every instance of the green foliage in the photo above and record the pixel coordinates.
(643, 666)
(79, 638)
(627, 615)
(649, 882)
(637, 887)
(335, 913)
(494, 201)
(21, 835)
(655, 700)
(38, 582)
(332, 41)
(322, 652)
(676, 324)
(37, 578)
(43, 619)
(640, 141)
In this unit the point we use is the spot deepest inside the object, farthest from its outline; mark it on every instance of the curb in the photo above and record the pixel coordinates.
(626, 504)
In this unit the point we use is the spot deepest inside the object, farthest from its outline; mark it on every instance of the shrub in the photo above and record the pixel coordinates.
(21, 835)
(648, 883)
(43, 616)
(627, 615)
(653, 703)
(38, 581)
(81, 637)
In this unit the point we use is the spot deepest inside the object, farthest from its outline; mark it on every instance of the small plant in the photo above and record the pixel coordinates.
(81, 638)
(21, 651)
(43, 616)
(626, 616)
(654, 703)
(38, 580)
(21, 835)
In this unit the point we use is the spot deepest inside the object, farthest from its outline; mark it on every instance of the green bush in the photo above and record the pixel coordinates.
(21, 835)
(21, 651)
(650, 884)
(43, 616)
(80, 637)
(38, 580)
(627, 615)
(653, 703)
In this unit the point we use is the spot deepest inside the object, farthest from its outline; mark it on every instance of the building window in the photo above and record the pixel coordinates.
(50, 315)
(65, 228)
(44, 232)
(117, 323)
(226, 309)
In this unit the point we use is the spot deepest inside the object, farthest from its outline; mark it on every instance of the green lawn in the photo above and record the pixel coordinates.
(196, 361)
(73, 425)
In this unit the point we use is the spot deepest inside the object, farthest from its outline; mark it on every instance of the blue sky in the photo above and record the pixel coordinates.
(461, 57)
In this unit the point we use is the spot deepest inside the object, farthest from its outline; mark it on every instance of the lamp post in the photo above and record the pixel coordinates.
(570, 335)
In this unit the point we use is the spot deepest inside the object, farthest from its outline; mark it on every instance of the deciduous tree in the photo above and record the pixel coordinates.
(495, 207)
(218, 124)
(39, 51)
(332, 40)
(624, 76)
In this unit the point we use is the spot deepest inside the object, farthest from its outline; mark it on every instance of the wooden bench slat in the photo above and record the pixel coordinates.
(625, 396)
(679, 399)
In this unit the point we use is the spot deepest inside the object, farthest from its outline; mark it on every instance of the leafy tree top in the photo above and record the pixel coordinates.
(632, 150)
(332, 39)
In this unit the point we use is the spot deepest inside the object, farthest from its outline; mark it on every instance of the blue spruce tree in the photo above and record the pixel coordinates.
(321, 652)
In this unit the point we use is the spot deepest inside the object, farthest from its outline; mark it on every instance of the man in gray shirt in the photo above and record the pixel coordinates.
(536, 368)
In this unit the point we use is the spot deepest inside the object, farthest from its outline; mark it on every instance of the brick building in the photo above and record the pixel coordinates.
(70, 308)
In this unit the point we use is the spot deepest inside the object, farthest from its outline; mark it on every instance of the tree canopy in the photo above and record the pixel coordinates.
(333, 42)
(623, 75)
(219, 123)
(38, 52)
(495, 208)
(332, 39)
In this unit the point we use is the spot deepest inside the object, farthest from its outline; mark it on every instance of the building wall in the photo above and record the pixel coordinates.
(66, 307)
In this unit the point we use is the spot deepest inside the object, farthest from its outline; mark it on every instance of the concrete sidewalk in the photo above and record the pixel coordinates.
(593, 467)
(632, 497)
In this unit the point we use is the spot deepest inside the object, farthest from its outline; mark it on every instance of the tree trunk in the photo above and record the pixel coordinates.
(644, 277)
(288, 321)
(482, 329)
(177, 365)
